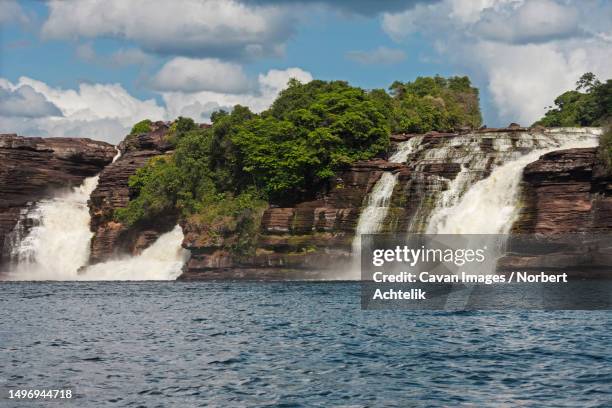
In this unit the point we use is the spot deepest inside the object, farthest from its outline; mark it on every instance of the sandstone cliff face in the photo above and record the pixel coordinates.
(305, 240)
(112, 192)
(33, 168)
(567, 205)
(312, 239)
(563, 192)
(566, 191)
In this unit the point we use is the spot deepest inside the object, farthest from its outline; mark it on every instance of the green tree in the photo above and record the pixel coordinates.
(590, 104)
(218, 177)
(309, 133)
(222, 177)
(434, 103)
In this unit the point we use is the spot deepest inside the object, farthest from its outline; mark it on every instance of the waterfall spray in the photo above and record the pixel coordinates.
(163, 260)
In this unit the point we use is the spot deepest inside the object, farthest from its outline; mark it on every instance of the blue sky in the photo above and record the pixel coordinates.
(93, 67)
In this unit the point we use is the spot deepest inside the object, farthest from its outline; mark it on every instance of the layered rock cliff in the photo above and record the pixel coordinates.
(565, 218)
(305, 240)
(34, 168)
(562, 192)
(566, 191)
(111, 238)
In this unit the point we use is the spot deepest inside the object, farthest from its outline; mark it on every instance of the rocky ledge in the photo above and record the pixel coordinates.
(567, 210)
(111, 237)
(567, 191)
(34, 168)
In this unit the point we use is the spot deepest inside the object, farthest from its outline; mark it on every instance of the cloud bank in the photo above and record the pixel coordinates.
(193, 75)
(205, 28)
(107, 111)
(525, 52)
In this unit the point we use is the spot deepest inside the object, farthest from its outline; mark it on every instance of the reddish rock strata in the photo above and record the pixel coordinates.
(112, 192)
(563, 192)
(566, 191)
(300, 241)
(567, 204)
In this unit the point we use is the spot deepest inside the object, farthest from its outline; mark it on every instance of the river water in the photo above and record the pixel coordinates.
(290, 344)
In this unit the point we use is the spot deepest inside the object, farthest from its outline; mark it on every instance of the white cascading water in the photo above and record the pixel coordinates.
(372, 217)
(490, 205)
(163, 260)
(58, 243)
(57, 246)
(405, 149)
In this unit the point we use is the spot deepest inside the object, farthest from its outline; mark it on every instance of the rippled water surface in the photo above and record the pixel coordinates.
(291, 345)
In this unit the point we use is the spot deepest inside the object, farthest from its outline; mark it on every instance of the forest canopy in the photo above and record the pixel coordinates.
(589, 104)
(434, 103)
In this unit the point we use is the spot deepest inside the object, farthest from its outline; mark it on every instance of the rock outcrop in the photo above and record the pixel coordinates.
(34, 168)
(567, 212)
(566, 191)
(111, 237)
(305, 240)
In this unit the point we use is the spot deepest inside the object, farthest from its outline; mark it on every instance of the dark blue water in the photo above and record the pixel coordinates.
(291, 345)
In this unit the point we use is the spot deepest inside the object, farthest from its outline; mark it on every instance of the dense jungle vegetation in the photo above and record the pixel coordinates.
(221, 178)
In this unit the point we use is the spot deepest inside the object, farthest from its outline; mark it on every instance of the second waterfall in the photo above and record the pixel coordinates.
(462, 184)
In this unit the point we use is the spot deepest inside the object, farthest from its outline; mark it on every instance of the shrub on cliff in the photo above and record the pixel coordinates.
(144, 126)
(179, 128)
(434, 103)
(590, 104)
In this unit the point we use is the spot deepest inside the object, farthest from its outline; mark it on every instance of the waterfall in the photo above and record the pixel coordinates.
(490, 205)
(372, 217)
(405, 149)
(58, 243)
(57, 246)
(483, 196)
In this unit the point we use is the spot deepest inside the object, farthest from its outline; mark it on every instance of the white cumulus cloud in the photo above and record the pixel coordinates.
(220, 28)
(107, 111)
(100, 111)
(200, 105)
(522, 53)
(530, 22)
(24, 101)
(193, 75)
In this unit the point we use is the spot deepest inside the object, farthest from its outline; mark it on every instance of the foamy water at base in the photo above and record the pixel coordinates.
(161, 261)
